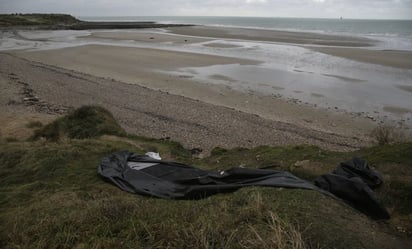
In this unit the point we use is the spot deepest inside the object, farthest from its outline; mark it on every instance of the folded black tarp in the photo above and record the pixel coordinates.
(352, 181)
(144, 175)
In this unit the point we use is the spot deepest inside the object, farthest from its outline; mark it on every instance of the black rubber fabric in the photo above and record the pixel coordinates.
(352, 182)
(144, 175)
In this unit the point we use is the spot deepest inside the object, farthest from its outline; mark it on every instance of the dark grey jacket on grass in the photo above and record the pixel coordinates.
(144, 175)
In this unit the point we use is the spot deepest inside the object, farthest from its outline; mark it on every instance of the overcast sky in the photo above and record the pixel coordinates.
(375, 9)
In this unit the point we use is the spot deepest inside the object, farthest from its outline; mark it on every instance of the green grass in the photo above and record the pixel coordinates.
(7, 20)
(52, 197)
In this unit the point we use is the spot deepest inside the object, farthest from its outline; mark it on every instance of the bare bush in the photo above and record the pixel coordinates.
(389, 134)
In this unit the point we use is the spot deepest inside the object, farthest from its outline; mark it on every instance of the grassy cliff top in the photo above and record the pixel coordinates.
(7, 20)
(52, 197)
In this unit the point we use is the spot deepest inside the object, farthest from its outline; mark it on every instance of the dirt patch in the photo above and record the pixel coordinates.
(222, 77)
(221, 45)
(317, 95)
(18, 126)
(347, 79)
(406, 88)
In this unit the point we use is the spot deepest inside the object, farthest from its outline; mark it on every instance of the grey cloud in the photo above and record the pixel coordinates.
(294, 8)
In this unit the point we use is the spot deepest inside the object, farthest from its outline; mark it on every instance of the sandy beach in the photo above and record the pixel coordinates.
(145, 67)
(154, 82)
(148, 112)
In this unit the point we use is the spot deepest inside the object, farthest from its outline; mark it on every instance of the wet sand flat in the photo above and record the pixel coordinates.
(398, 59)
(145, 36)
(273, 36)
(346, 46)
(129, 58)
(148, 67)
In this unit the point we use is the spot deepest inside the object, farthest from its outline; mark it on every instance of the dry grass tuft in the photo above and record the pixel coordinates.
(283, 235)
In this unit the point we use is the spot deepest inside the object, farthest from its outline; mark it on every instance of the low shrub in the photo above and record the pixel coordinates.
(84, 122)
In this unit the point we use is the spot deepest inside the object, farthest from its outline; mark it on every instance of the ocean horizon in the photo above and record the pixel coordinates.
(336, 25)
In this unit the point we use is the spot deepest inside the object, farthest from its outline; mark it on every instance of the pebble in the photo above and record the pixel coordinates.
(195, 124)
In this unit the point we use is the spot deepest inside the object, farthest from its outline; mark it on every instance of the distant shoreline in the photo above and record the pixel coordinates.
(68, 22)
